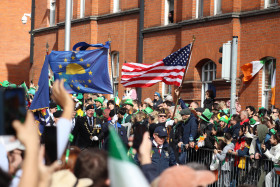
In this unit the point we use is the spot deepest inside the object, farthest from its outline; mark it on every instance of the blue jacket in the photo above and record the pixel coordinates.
(189, 129)
(164, 160)
(234, 130)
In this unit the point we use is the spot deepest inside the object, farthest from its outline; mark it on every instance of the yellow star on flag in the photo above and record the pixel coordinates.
(73, 57)
(89, 81)
(65, 80)
(78, 88)
(71, 85)
(81, 60)
(65, 60)
(60, 66)
(90, 72)
(88, 65)
(60, 73)
(86, 85)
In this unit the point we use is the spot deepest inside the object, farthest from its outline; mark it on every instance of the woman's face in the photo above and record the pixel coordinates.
(222, 123)
(214, 132)
(111, 106)
(206, 95)
(273, 141)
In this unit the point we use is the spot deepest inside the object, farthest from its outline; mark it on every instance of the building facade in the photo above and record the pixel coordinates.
(15, 41)
(169, 25)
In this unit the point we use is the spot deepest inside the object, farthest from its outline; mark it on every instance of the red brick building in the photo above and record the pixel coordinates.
(212, 22)
(15, 41)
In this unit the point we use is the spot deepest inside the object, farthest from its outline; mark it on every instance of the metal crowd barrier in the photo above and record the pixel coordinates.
(253, 172)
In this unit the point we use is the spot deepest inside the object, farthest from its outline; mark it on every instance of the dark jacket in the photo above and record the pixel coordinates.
(233, 130)
(153, 126)
(208, 103)
(156, 103)
(82, 136)
(189, 129)
(164, 160)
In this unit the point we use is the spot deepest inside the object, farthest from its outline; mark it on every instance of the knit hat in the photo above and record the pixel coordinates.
(206, 115)
(128, 102)
(100, 100)
(156, 93)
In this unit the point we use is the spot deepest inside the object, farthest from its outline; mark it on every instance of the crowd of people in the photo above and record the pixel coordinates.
(158, 135)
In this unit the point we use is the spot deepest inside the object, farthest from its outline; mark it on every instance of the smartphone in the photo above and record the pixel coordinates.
(12, 107)
(138, 136)
(50, 140)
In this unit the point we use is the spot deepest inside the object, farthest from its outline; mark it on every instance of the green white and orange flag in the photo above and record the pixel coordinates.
(273, 83)
(251, 69)
(122, 171)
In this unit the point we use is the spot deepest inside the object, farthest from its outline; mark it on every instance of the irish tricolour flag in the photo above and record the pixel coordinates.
(251, 69)
(273, 83)
(122, 171)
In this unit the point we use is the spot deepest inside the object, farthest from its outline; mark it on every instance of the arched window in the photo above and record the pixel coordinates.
(208, 75)
(268, 71)
(115, 70)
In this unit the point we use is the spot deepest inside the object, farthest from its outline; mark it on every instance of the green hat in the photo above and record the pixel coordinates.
(100, 100)
(252, 121)
(206, 115)
(80, 96)
(128, 102)
(13, 85)
(225, 119)
(148, 110)
(31, 91)
(58, 107)
(5, 83)
(23, 85)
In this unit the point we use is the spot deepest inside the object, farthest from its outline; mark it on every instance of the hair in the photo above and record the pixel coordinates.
(236, 118)
(73, 155)
(248, 141)
(222, 105)
(92, 163)
(211, 93)
(153, 116)
(140, 116)
(163, 111)
(110, 102)
(122, 111)
(244, 112)
(216, 106)
(136, 102)
(227, 136)
(196, 103)
(5, 178)
(276, 136)
(221, 144)
(168, 103)
(252, 109)
(262, 112)
(219, 130)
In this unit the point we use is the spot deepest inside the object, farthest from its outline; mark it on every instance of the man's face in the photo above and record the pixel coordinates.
(53, 110)
(250, 112)
(243, 116)
(185, 117)
(193, 105)
(159, 140)
(162, 118)
(156, 97)
(90, 112)
(97, 104)
(275, 113)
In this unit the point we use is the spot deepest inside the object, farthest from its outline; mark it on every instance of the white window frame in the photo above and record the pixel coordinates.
(199, 9)
(72, 8)
(267, 3)
(205, 81)
(265, 92)
(163, 89)
(169, 6)
(217, 7)
(115, 78)
(82, 8)
(116, 6)
(52, 12)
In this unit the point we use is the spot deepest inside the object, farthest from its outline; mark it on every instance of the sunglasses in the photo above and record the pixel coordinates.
(274, 112)
(161, 116)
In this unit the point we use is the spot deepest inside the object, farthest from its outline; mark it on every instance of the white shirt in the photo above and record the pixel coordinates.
(159, 146)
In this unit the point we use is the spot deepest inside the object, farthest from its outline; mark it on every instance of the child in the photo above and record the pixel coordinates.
(225, 168)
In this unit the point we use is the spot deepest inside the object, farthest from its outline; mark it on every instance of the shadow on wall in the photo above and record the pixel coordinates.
(17, 73)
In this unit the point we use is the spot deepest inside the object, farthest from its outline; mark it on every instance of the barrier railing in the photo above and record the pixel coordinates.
(238, 170)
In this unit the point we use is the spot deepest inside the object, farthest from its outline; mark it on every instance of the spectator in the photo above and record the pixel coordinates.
(251, 111)
(157, 100)
(209, 99)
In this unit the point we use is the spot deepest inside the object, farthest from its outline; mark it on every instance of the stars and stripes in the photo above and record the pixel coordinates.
(170, 70)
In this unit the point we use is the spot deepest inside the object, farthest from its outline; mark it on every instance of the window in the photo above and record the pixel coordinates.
(270, 3)
(116, 5)
(166, 89)
(208, 75)
(52, 12)
(268, 71)
(82, 8)
(199, 8)
(217, 7)
(169, 12)
(115, 70)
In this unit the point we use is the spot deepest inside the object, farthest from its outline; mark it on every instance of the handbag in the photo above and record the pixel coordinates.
(215, 163)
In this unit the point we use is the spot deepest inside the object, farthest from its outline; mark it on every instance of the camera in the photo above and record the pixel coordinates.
(24, 19)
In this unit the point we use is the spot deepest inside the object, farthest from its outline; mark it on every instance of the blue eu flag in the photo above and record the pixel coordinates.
(83, 71)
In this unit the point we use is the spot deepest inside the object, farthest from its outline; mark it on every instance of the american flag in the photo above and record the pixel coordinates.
(170, 70)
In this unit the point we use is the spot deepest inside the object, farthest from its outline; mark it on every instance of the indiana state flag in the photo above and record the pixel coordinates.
(83, 71)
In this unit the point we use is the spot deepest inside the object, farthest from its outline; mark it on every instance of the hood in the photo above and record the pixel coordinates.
(262, 131)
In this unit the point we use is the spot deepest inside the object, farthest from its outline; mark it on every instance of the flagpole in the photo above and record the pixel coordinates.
(186, 68)
(109, 39)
